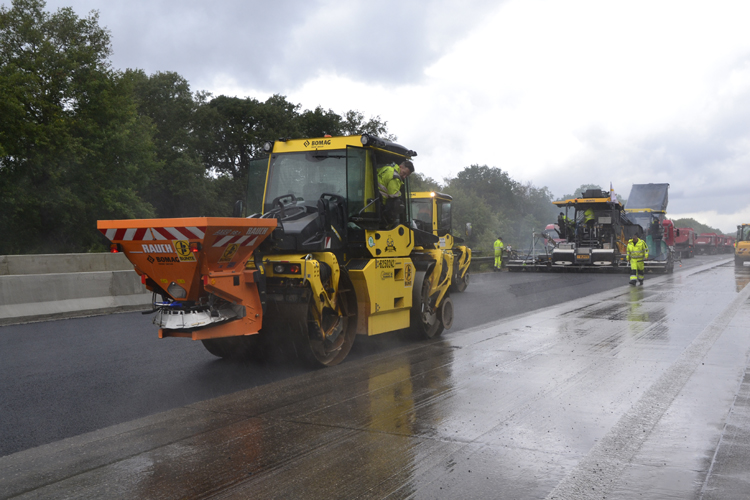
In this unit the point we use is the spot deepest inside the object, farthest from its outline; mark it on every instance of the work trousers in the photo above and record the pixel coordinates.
(499, 261)
(636, 270)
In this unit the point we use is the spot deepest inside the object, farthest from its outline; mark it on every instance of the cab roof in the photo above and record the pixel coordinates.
(584, 203)
(341, 142)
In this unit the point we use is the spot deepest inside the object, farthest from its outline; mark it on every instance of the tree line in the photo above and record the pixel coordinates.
(82, 141)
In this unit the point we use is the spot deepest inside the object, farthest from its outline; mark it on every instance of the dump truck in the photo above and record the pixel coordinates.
(596, 238)
(742, 245)
(325, 259)
(684, 243)
(707, 244)
(647, 207)
(729, 244)
(431, 212)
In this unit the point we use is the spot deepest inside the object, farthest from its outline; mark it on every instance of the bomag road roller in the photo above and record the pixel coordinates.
(431, 212)
(324, 259)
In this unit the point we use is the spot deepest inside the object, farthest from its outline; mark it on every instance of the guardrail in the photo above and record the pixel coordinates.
(45, 287)
(57, 286)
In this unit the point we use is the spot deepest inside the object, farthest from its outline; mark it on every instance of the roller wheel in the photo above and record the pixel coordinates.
(244, 348)
(316, 347)
(461, 283)
(424, 318)
(446, 313)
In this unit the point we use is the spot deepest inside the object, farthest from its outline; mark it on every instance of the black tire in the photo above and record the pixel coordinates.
(314, 349)
(313, 346)
(424, 318)
(461, 283)
(244, 348)
(446, 312)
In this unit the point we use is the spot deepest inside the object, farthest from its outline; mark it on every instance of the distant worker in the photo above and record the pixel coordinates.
(499, 253)
(390, 179)
(588, 219)
(564, 225)
(656, 234)
(637, 253)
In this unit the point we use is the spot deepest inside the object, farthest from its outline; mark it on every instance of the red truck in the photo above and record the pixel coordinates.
(669, 232)
(684, 243)
(728, 244)
(707, 244)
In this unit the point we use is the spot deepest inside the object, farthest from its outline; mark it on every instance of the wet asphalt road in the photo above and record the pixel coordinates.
(639, 392)
(64, 378)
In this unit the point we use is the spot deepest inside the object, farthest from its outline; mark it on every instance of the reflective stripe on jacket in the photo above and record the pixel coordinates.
(498, 248)
(637, 251)
(389, 181)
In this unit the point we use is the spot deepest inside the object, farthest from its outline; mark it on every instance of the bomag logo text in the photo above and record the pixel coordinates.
(385, 264)
(321, 142)
(167, 260)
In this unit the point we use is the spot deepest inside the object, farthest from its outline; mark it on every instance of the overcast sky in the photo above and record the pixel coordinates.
(558, 93)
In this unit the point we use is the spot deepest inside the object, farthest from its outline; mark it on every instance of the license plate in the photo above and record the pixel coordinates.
(582, 257)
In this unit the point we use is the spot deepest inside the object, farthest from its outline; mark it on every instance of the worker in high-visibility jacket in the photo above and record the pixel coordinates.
(637, 253)
(390, 179)
(588, 216)
(498, 253)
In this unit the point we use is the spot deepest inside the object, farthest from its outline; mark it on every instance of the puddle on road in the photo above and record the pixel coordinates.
(638, 305)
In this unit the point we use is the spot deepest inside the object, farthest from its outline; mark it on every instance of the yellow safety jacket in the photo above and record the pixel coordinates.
(588, 215)
(498, 248)
(637, 251)
(389, 182)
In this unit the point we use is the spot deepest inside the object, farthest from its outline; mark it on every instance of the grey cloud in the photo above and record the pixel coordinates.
(274, 46)
(705, 161)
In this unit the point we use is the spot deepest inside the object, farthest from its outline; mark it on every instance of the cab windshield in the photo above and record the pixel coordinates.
(306, 175)
(421, 209)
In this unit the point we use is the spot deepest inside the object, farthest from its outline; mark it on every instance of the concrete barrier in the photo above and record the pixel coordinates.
(63, 263)
(44, 287)
(57, 286)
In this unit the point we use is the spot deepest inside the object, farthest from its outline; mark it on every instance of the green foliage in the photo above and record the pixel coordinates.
(74, 147)
(419, 182)
(180, 186)
(514, 210)
(697, 226)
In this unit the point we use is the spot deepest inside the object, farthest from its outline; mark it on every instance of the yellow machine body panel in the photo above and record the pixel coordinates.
(384, 293)
(397, 242)
(742, 244)
(433, 208)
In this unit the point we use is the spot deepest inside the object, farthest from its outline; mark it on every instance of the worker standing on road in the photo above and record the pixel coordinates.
(637, 253)
(498, 253)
